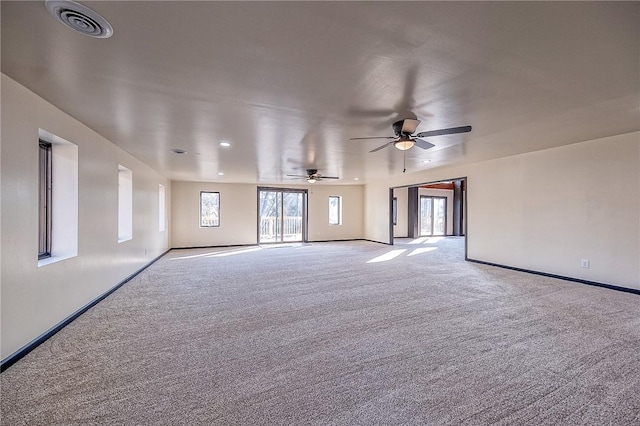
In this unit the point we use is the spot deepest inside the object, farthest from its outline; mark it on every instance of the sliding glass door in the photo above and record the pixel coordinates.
(282, 215)
(433, 216)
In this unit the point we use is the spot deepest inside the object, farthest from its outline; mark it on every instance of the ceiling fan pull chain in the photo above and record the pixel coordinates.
(404, 162)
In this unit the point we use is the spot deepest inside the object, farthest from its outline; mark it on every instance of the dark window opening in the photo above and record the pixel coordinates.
(44, 203)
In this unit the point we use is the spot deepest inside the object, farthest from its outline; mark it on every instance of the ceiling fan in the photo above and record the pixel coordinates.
(313, 176)
(404, 138)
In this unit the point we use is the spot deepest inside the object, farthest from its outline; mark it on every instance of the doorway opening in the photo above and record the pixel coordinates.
(282, 215)
(424, 212)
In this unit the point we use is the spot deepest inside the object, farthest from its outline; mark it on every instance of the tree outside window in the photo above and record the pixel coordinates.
(209, 209)
(335, 210)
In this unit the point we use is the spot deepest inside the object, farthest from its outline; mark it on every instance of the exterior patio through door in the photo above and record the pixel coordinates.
(282, 215)
(433, 215)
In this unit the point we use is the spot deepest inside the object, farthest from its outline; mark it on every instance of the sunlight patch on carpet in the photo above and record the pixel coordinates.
(223, 253)
(418, 240)
(422, 250)
(387, 256)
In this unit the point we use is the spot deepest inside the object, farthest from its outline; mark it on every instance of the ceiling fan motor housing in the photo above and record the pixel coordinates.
(405, 127)
(397, 127)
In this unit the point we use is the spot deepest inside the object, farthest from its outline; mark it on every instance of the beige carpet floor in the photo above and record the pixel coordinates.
(349, 333)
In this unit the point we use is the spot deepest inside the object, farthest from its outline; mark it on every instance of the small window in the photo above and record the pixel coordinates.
(125, 204)
(335, 210)
(394, 209)
(57, 199)
(209, 209)
(44, 204)
(162, 206)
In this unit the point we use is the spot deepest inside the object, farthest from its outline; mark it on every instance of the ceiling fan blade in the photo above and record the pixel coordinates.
(423, 144)
(329, 177)
(450, 131)
(409, 126)
(381, 146)
(299, 176)
(373, 137)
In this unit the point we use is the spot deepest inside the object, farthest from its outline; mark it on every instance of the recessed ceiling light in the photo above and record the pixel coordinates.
(225, 144)
(356, 178)
(80, 18)
(426, 161)
(220, 174)
(178, 151)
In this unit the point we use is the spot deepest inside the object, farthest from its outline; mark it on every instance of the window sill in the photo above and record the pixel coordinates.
(125, 239)
(54, 259)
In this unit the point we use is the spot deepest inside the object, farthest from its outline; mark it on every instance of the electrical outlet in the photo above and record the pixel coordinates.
(584, 263)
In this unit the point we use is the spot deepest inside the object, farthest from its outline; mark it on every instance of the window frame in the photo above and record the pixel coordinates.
(64, 198)
(200, 209)
(125, 204)
(394, 210)
(162, 208)
(339, 207)
(45, 190)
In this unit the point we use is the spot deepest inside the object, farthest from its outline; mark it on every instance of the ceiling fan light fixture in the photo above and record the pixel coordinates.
(311, 180)
(403, 144)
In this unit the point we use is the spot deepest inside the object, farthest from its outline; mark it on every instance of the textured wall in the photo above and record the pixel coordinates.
(546, 210)
(549, 209)
(35, 299)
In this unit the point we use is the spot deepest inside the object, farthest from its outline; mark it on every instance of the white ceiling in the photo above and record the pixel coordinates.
(288, 83)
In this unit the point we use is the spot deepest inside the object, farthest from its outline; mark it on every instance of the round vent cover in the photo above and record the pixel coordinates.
(80, 18)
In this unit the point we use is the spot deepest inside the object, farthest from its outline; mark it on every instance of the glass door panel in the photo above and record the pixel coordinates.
(426, 216)
(440, 216)
(292, 216)
(270, 216)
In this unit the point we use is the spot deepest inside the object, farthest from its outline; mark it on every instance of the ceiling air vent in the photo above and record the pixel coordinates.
(80, 18)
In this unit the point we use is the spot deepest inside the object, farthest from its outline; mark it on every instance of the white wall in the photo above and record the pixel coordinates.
(546, 210)
(238, 213)
(352, 212)
(376, 212)
(35, 299)
(401, 229)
